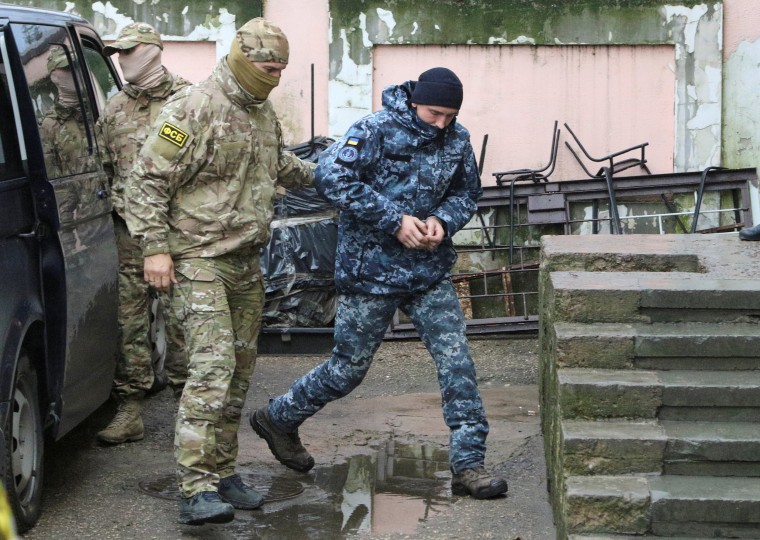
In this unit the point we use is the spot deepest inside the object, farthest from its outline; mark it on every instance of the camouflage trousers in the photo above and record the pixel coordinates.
(219, 302)
(134, 369)
(360, 324)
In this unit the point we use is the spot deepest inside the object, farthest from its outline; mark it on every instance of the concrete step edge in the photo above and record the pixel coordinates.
(569, 329)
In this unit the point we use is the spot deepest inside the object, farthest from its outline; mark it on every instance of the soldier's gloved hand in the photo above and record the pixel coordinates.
(159, 271)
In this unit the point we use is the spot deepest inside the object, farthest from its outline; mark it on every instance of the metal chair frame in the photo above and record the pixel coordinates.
(524, 175)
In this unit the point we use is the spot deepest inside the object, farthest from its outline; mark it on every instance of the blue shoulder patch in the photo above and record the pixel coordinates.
(349, 153)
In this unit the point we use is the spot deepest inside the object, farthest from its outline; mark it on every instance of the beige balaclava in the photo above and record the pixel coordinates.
(62, 77)
(139, 46)
(258, 40)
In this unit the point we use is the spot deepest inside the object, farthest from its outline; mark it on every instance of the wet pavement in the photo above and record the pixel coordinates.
(381, 463)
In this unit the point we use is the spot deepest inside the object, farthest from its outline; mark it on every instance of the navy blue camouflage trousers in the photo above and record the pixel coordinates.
(360, 324)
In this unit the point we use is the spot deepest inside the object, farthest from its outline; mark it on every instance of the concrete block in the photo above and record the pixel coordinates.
(607, 504)
(712, 441)
(700, 499)
(710, 388)
(608, 393)
(698, 340)
(612, 447)
(609, 346)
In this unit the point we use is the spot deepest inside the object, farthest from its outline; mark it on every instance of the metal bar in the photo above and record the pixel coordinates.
(700, 192)
(613, 201)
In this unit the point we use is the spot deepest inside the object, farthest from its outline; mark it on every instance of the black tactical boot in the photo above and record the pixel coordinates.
(233, 490)
(205, 507)
(478, 483)
(286, 447)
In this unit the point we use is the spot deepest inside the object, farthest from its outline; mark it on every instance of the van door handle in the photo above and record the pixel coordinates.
(38, 231)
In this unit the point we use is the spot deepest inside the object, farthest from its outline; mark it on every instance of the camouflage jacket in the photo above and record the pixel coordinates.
(123, 127)
(204, 181)
(388, 164)
(64, 141)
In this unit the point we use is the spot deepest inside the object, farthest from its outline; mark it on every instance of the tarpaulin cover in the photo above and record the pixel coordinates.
(298, 263)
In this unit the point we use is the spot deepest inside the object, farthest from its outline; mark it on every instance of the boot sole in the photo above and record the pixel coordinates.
(222, 517)
(484, 493)
(134, 438)
(262, 432)
(238, 505)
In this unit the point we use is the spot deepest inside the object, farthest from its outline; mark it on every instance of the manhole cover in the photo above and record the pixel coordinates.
(272, 488)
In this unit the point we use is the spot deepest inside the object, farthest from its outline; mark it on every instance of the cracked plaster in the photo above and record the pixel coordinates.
(695, 29)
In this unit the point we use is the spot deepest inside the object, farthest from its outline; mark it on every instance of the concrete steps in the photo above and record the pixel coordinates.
(613, 393)
(596, 297)
(658, 345)
(650, 387)
(666, 447)
(666, 505)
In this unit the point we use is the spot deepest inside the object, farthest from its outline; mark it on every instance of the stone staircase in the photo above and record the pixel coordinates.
(650, 385)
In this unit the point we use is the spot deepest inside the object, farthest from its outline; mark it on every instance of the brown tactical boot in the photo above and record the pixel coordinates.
(478, 483)
(127, 425)
(286, 447)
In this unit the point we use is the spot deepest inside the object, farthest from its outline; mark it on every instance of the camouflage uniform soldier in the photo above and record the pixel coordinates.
(405, 180)
(200, 198)
(122, 129)
(62, 128)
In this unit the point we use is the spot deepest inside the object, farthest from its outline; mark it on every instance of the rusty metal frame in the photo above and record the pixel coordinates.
(592, 190)
(520, 321)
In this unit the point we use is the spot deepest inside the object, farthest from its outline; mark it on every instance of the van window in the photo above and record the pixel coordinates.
(103, 82)
(56, 86)
(10, 157)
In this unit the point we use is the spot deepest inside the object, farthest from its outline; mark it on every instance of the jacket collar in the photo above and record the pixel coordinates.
(229, 84)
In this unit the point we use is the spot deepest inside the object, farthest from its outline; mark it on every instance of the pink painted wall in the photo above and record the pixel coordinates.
(612, 97)
(176, 54)
(306, 25)
(203, 54)
(741, 22)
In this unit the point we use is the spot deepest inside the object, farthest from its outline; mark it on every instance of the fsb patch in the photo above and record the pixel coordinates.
(173, 134)
(350, 151)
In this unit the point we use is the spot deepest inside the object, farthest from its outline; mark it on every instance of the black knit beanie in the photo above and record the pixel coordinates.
(438, 86)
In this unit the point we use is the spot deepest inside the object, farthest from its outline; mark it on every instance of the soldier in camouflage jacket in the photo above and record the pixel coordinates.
(200, 199)
(121, 130)
(405, 181)
(62, 127)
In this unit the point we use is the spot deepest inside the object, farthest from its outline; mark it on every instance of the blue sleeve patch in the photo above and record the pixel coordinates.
(349, 153)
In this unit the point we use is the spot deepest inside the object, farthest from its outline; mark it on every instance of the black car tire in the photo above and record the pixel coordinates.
(24, 445)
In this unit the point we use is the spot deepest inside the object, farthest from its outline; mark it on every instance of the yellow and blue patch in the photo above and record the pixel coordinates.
(350, 151)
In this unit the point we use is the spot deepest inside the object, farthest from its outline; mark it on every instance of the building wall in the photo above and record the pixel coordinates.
(524, 29)
(741, 84)
(680, 75)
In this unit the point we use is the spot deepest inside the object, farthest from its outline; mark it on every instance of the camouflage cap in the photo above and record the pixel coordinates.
(57, 59)
(263, 41)
(133, 34)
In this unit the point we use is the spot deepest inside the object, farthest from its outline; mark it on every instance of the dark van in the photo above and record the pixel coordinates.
(58, 259)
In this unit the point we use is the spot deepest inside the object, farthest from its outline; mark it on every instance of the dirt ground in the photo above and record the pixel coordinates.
(102, 492)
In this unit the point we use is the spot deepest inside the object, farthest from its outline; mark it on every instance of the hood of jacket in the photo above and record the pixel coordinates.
(396, 100)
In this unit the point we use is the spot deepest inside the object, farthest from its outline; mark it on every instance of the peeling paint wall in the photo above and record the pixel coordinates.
(741, 85)
(715, 118)
(176, 20)
(694, 28)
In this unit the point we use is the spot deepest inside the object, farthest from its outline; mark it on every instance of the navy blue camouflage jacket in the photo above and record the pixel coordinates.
(388, 164)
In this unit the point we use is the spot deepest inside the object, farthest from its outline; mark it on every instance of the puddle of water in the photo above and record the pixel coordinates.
(272, 488)
(388, 491)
